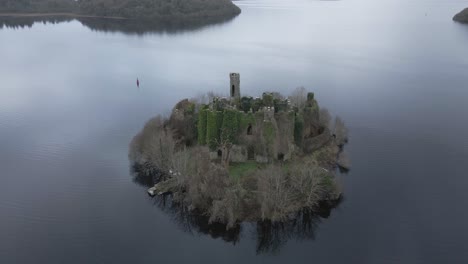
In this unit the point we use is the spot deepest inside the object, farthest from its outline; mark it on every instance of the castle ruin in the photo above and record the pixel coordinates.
(235, 86)
(263, 129)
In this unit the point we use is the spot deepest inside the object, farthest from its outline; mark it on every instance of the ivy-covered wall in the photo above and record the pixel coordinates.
(213, 126)
(298, 129)
(230, 126)
(201, 126)
(245, 119)
(269, 135)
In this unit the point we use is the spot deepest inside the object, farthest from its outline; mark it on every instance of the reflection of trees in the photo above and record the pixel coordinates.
(270, 236)
(22, 22)
(127, 26)
(194, 222)
(189, 221)
(139, 27)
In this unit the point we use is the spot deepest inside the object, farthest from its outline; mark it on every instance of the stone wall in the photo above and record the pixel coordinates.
(312, 144)
(285, 123)
(238, 154)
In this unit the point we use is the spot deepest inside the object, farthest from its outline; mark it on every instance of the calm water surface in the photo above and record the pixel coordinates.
(396, 71)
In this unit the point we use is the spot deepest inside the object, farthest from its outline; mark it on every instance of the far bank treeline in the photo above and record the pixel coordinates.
(134, 9)
(244, 158)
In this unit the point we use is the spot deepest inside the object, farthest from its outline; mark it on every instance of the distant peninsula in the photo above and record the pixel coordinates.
(462, 17)
(241, 158)
(151, 10)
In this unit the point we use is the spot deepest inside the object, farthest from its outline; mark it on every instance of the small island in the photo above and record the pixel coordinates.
(149, 10)
(462, 17)
(242, 158)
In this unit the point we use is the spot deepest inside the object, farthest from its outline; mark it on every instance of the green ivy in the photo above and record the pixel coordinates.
(246, 119)
(213, 126)
(230, 126)
(201, 126)
(298, 129)
(269, 134)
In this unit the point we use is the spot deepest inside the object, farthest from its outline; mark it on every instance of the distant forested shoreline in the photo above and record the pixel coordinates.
(132, 9)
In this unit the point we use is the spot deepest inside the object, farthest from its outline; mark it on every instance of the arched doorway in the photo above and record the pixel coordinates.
(249, 130)
(280, 156)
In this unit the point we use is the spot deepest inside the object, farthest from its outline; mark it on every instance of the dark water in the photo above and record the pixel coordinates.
(396, 71)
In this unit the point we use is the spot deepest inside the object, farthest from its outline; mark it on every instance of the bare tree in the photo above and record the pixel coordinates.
(225, 144)
(298, 97)
(201, 98)
(229, 209)
(207, 181)
(182, 166)
(274, 193)
(325, 117)
(154, 145)
(307, 184)
(340, 131)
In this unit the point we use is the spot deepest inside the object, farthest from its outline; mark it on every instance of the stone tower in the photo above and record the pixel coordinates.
(235, 86)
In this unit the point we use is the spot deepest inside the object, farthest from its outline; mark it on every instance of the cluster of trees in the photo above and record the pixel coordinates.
(38, 6)
(177, 150)
(154, 9)
(273, 193)
(270, 236)
(135, 9)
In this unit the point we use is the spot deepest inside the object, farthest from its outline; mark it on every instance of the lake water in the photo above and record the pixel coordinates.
(395, 71)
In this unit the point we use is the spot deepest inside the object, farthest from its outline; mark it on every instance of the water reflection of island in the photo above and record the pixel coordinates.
(270, 236)
(127, 26)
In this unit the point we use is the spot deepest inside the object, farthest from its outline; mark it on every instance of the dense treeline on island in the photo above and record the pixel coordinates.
(132, 9)
(462, 17)
(127, 26)
(133, 26)
(38, 6)
(244, 159)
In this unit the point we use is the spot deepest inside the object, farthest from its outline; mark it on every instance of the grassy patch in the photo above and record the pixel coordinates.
(238, 170)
